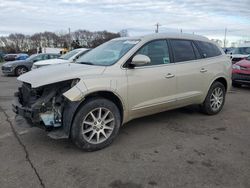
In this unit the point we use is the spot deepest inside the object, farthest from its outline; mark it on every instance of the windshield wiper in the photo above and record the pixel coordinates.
(86, 63)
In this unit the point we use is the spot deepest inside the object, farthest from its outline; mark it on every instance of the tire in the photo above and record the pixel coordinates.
(215, 99)
(20, 70)
(85, 129)
(234, 84)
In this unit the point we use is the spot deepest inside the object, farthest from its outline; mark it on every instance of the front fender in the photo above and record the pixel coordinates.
(77, 92)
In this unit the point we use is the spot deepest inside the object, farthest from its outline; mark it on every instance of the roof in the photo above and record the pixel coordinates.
(167, 35)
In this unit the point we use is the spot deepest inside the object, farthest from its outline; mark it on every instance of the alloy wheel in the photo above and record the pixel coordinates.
(216, 99)
(21, 71)
(98, 125)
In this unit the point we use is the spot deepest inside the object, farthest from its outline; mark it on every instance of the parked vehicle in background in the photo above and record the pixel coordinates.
(19, 67)
(228, 50)
(22, 56)
(124, 79)
(240, 53)
(53, 50)
(69, 57)
(10, 57)
(1, 56)
(241, 73)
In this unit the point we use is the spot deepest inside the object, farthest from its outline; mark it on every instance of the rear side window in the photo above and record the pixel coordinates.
(53, 56)
(157, 51)
(208, 49)
(44, 57)
(183, 50)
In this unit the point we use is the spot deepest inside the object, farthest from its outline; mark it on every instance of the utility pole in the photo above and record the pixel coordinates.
(157, 27)
(69, 39)
(225, 37)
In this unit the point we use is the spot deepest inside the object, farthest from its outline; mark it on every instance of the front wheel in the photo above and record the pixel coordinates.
(20, 70)
(215, 99)
(96, 124)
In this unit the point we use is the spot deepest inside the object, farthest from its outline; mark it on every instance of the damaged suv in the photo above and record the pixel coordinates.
(121, 80)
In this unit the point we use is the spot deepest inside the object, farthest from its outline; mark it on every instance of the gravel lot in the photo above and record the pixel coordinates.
(179, 148)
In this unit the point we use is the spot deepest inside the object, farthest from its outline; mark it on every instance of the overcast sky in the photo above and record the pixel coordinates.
(205, 17)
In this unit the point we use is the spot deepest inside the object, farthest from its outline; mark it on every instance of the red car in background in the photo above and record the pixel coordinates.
(241, 73)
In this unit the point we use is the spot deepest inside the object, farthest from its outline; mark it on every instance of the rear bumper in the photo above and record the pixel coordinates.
(241, 78)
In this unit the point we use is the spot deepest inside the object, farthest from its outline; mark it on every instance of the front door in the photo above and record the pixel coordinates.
(152, 88)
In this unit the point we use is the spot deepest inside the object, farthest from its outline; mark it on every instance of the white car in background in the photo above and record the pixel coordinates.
(240, 53)
(69, 57)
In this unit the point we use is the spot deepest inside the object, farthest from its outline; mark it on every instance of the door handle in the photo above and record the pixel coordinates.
(203, 70)
(169, 75)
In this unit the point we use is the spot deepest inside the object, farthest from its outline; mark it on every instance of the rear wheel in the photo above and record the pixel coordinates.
(20, 70)
(215, 99)
(96, 124)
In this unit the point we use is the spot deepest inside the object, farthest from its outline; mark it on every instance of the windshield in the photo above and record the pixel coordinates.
(107, 53)
(70, 54)
(242, 50)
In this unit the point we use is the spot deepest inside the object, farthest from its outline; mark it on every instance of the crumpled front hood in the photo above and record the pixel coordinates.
(51, 62)
(57, 73)
(13, 62)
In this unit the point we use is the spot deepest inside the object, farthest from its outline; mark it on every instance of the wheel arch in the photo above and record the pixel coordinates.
(110, 95)
(71, 108)
(221, 80)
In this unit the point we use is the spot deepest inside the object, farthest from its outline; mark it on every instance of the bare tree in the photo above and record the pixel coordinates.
(18, 42)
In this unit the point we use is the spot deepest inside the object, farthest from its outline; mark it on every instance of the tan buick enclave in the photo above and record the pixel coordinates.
(121, 80)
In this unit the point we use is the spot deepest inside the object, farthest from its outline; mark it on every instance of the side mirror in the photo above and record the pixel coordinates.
(75, 58)
(35, 60)
(140, 60)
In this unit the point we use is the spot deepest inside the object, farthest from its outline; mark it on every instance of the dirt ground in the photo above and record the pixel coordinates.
(179, 148)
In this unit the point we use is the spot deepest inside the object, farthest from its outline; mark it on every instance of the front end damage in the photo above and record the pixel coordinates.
(47, 107)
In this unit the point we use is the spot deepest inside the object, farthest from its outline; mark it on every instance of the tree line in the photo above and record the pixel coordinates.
(18, 42)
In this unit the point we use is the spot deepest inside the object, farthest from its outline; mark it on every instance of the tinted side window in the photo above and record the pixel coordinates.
(182, 50)
(208, 49)
(157, 51)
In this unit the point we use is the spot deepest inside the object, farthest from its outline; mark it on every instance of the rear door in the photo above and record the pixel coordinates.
(190, 80)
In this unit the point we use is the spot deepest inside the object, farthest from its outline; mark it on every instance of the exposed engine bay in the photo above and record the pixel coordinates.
(44, 104)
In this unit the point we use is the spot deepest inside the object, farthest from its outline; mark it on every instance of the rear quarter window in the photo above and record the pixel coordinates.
(208, 49)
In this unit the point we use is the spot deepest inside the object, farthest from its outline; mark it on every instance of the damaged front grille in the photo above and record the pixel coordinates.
(45, 103)
(27, 95)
